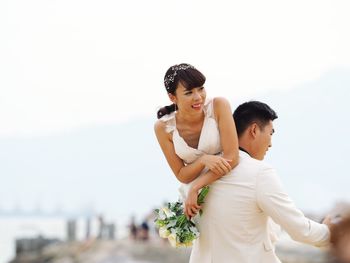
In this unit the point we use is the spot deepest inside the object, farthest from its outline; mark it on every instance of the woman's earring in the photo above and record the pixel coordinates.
(175, 107)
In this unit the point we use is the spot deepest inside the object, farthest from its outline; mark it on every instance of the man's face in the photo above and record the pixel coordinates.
(263, 140)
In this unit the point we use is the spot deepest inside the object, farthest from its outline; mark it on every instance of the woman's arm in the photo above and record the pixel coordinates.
(227, 129)
(229, 143)
(187, 173)
(191, 206)
(184, 173)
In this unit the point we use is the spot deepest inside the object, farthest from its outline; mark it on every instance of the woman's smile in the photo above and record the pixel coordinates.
(197, 106)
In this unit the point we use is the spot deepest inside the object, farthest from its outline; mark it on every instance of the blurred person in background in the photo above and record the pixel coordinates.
(340, 239)
(132, 229)
(144, 231)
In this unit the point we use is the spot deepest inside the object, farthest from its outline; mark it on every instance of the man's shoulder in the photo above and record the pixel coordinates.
(258, 171)
(250, 171)
(255, 168)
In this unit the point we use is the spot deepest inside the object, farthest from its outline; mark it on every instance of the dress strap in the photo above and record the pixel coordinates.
(170, 122)
(209, 108)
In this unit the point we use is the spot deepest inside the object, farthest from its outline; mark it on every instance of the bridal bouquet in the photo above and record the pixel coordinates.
(173, 224)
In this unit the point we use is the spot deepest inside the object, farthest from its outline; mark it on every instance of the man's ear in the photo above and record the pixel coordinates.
(253, 130)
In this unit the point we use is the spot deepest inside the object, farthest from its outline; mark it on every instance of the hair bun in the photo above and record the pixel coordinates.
(165, 110)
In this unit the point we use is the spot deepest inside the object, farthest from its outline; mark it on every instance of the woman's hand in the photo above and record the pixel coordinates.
(217, 164)
(191, 205)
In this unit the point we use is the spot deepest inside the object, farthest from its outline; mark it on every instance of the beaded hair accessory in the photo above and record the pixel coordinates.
(171, 77)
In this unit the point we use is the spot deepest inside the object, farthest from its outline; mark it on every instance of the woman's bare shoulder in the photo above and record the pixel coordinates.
(159, 126)
(220, 105)
(220, 101)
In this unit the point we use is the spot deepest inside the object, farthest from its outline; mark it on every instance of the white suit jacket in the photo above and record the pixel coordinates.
(234, 226)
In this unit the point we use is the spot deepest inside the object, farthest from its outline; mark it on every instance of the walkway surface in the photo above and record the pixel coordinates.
(126, 251)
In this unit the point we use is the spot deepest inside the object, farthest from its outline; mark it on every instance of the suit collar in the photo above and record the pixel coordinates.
(242, 150)
(243, 154)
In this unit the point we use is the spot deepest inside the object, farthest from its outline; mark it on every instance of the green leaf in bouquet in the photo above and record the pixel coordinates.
(181, 221)
(192, 224)
(161, 223)
(203, 194)
(186, 236)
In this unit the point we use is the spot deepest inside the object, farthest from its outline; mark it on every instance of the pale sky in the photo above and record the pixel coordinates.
(67, 64)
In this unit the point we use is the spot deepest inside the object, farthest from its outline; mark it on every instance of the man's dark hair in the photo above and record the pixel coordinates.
(250, 112)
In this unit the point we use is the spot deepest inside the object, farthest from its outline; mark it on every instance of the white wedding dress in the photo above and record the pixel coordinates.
(209, 140)
(209, 143)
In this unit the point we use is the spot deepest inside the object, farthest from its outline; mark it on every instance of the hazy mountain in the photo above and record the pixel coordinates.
(310, 148)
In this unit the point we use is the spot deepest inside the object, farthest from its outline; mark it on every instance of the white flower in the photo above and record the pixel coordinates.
(172, 240)
(167, 212)
(171, 224)
(175, 231)
(174, 225)
(164, 232)
(188, 244)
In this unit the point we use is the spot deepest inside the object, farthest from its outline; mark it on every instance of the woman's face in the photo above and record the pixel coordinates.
(189, 101)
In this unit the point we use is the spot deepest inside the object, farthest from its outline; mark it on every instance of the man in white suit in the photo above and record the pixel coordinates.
(236, 220)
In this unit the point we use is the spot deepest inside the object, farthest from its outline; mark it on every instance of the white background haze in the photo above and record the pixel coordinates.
(80, 83)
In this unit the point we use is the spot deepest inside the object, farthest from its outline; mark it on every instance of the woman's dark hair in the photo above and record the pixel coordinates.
(252, 111)
(187, 75)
